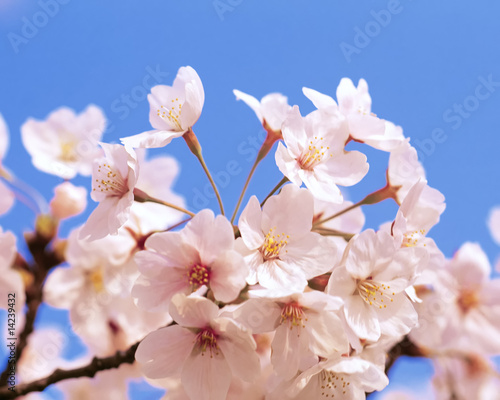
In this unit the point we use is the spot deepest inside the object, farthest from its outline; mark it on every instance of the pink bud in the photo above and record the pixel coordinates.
(68, 201)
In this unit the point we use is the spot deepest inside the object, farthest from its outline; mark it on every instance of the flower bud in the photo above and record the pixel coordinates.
(68, 201)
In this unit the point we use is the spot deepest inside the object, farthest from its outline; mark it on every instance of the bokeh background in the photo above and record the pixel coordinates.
(423, 61)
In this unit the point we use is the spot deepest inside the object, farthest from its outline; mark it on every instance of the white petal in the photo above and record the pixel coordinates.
(163, 352)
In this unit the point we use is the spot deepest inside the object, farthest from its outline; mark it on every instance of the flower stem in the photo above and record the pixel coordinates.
(271, 138)
(385, 193)
(282, 182)
(244, 189)
(194, 146)
(142, 197)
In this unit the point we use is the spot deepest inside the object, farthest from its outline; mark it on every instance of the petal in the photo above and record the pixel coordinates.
(361, 318)
(228, 274)
(321, 101)
(238, 348)
(208, 235)
(206, 378)
(151, 139)
(250, 223)
(163, 352)
(287, 164)
(192, 312)
(251, 102)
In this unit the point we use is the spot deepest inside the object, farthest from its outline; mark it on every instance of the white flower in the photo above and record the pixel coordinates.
(68, 201)
(201, 255)
(65, 144)
(173, 110)
(306, 325)
(206, 348)
(96, 289)
(461, 311)
(271, 110)
(11, 280)
(372, 282)
(113, 181)
(355, 106)
(278, 244)
(494, 224)
(6, 195)
(315, 155)
(338, 377)
(404, 171)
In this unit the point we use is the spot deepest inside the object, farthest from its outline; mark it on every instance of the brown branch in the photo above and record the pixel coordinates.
(96, 365)
(44, 259)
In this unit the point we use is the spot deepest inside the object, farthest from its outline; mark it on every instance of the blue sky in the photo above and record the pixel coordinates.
(423, 60)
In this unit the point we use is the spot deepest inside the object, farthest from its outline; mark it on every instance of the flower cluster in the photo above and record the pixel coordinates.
(295, 299)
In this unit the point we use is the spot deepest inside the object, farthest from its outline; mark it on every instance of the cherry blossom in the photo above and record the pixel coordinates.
(65, 144)
(96, 289)
(6, 195)
(173, 110)
(113, 181)
(315, 155)
(282, 252)
(355, 106)
(494, 224)
(69, 200)
(461, 310)
(206, 348)
(372, 281)
(465, 376)
(338, 377)
(11, 281)
(305, 325)
(271, 110)
(200, 256)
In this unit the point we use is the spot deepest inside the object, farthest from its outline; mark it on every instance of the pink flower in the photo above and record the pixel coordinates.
(462, 309)
(338, 377)
(113, 181)
(200, 256)
(494, 224)
(205, 347)
(404, 171)
(68, 201)
(278, 244)
(271, 110)
(95, 288)
(355, 106)
(173, 110)
(306, 326)
(372, 282)
(6, 195)
(10, 279)
(315, 155)
(65, 144)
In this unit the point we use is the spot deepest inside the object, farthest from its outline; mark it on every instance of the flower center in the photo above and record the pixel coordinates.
(109, 181)
(410, 239)
(207, 339)
(332, 384)
(96, 279)
(68, 152)
(467, 300)
(198, 275)
(172, 115)
(314, 155)
(273, 244)
(374, 293)
(294, 315)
